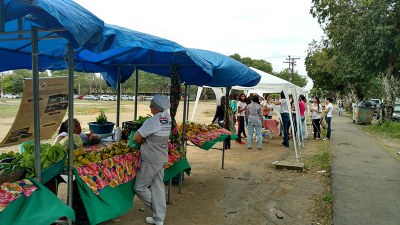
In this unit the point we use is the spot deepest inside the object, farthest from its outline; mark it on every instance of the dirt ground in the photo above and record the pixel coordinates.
(248, 191)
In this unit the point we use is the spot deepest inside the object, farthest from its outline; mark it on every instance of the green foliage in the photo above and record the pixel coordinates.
(389, 129)
(363, 39)
(295, 78)
(260, 64)
(101, 118)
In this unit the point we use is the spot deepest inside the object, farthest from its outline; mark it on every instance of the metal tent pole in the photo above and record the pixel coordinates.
(136, 93)
(228, 89)
(2, 16)
(36, 111)
(118, 94)
(70, 125)
(169, 191)
(183, 131)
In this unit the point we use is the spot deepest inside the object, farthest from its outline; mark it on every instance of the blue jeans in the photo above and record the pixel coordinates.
(250, 130)
(286, 124)
(340, 111)
(302, 126)
(329, 131)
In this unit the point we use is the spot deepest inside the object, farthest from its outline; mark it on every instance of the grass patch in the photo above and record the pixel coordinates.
(321, 160)
(389, 129)
(322, 209)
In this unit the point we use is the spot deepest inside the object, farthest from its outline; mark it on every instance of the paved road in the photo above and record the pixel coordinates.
(365, 178)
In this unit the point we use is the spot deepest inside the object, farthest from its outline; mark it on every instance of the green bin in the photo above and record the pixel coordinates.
(362, 115)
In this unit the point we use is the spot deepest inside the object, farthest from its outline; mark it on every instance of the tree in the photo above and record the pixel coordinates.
(260, 64)
(298, 80)
(365, 36)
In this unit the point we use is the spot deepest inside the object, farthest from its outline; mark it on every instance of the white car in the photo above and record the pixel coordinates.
(126, 97)
(90, 97)
(105, 97)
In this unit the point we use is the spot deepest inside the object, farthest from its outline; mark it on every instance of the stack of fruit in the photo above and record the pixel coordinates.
(82, 157)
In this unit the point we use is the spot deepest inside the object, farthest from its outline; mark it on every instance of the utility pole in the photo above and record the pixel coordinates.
(292, 62)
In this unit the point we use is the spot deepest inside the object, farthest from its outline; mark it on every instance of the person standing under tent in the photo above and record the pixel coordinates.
(248, 102)
(294, 114)
(302, 109)
(254, 112)
(340, 106)
(316, 109)
(284, 106)
(268, 108)
(328, 111)
(220, 114)
(233, 105)
(241, 117)
(153, 136)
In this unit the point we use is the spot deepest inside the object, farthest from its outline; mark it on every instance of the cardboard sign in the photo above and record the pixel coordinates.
(53, 104)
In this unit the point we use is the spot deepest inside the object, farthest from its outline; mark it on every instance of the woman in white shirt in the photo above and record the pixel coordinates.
(241, 115)
(328, 111)
(285, 118)
(316, 110)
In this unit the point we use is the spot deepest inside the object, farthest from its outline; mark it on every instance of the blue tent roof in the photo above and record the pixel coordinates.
(98, 47)
(227, 71)
(79, 24)
(101, 48)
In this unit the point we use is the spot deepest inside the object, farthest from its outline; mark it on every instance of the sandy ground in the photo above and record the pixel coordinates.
(248, 191)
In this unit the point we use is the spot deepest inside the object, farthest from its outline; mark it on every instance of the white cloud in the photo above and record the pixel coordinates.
(260, 29)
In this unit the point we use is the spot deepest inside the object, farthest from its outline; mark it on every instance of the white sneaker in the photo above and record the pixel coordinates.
(150, 220)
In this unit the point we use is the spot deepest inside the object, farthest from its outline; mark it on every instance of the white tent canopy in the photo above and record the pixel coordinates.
(268, 84)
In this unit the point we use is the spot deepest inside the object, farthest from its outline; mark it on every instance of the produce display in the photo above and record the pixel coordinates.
(198, 134)
(91, 155)
(10, 162)
(49, 154)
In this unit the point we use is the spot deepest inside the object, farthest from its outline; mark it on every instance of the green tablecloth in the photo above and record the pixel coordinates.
(208, 144)
(176, 168)
(42, 207)
(113, 202)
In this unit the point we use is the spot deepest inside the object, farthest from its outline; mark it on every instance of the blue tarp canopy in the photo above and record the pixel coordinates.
(228, 72)
(100, 47)
(97, 47)
(78, 25)
(149, 53)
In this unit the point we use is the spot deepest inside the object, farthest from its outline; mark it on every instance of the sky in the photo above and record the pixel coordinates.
(260, 29)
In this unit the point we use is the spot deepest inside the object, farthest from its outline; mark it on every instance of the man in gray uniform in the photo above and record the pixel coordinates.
(153, 136)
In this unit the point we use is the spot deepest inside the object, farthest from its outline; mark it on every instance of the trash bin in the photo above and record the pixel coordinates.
(362, 115)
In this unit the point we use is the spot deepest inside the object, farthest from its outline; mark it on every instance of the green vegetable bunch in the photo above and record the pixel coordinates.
(13, 165)
(143, 118)
(102, 118)
(49, 154)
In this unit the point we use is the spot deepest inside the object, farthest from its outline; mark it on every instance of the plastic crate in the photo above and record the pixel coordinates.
(131, 125)
(52, 171)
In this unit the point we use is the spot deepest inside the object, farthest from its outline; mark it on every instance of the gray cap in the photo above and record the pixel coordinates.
(160, 102)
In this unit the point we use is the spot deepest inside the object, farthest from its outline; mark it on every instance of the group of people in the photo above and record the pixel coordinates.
(252, 110)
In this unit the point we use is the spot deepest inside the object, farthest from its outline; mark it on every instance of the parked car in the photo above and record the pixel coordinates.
(90, 97)
(147, 98)
(396, 112)
(126, 97)
(113, 98)
(105, 97)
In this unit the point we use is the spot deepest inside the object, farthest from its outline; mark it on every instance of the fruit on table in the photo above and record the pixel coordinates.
(83, 158)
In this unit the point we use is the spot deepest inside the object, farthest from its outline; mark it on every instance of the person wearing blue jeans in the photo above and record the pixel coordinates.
(285, 118)
(328, 111)
(255, 118)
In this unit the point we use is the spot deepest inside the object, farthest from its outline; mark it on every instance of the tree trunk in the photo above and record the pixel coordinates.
(391, 85)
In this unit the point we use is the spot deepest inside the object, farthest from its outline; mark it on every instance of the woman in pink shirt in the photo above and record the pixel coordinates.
(302, 109)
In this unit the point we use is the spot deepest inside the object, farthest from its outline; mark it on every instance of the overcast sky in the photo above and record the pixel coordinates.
(260, 29)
